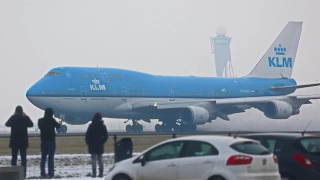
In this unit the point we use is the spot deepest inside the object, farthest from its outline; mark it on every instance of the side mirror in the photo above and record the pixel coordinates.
(143, 160)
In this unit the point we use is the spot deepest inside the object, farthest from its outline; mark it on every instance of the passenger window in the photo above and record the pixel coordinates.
(195, 148)
(311, 145)
(250, 147)
(279, 147)
(274, 146)
(269, 144)
(166, 151)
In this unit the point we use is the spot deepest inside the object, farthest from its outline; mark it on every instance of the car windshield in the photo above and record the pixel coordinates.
(311, 145)
(250, 147)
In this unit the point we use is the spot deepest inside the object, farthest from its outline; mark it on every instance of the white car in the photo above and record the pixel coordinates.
(200, 157)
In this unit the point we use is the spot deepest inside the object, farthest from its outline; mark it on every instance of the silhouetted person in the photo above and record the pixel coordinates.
(19, 123)
(96, 137)
(47, 126)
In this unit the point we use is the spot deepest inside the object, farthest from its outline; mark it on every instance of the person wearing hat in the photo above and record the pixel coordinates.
(96, 137)
(19, 123)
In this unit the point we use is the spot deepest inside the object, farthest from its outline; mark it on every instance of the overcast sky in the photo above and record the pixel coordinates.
(158, 37)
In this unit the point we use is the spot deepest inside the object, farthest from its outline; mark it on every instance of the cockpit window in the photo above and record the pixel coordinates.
(54, 74)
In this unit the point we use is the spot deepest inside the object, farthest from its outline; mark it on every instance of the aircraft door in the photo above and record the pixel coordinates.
(83, 93)
(171, 94)
(216, 92)
(210, 93)
(58, 102)
(104, 75)
(124, 94)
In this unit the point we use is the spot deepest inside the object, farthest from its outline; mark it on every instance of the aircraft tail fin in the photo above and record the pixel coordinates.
(279, 59)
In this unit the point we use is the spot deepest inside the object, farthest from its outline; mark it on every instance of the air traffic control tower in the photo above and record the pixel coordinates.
(220, 47)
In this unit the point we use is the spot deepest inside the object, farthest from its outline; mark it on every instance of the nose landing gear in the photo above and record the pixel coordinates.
(63, 128)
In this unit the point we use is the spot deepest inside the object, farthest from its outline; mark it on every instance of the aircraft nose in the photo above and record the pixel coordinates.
(32, 91)
(33, 95)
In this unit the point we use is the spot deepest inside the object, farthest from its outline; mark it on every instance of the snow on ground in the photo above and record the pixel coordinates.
(67, 166)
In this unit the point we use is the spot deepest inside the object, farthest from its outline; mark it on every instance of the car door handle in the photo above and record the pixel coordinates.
(171, 165)
(207, 162)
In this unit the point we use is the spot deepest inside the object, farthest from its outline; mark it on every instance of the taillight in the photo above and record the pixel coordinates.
(303, 160)
(239, 160)
(275, 159)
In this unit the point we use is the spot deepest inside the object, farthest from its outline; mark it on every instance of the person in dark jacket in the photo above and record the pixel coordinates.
(47, 126)
(19, 123)
(96, 137)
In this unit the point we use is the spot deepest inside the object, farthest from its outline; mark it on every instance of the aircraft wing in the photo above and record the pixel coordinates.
(224, 107)
(226, 101)
(249, 100)
(164, 104)
(293, 87)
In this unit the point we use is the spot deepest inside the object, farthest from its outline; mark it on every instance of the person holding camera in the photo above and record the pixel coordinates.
(19, 123)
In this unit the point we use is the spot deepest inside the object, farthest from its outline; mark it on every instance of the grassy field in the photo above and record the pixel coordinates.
(77, 145)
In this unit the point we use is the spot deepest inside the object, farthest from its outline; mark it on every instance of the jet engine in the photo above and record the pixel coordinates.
(279, 110)
(194, 114)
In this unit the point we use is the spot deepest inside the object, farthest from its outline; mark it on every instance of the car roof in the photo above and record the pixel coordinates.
(283, 135)
(212, 139)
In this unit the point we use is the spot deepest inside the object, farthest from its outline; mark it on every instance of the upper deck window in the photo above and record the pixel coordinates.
(90, 75)
(54, 74)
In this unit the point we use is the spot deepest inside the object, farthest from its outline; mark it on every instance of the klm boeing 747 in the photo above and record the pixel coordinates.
(180, 103)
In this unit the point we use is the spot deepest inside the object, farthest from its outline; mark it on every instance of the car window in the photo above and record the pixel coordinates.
(250, 147)
(166, 151)
(275, 146)
(279, 147)
(311, 145)
(198, 148)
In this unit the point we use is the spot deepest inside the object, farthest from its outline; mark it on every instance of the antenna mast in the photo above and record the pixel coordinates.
(306, 128)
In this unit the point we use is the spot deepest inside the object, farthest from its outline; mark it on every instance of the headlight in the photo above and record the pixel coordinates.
(112, 167)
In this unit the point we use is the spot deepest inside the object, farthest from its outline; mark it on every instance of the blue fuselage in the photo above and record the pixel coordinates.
(65, 84)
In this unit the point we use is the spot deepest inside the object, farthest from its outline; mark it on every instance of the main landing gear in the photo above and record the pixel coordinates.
(135, 127)
(176, 126)
(63, 128)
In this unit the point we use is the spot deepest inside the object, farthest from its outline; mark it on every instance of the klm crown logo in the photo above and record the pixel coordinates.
(95, 81)
(282, 62)
(280, 50)
(96, 86)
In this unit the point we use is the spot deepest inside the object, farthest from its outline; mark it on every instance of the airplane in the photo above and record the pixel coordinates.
(180, 103)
